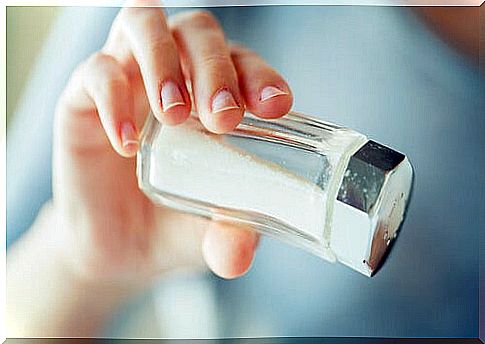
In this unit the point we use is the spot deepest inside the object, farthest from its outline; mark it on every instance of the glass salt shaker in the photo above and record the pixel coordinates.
(319, 186)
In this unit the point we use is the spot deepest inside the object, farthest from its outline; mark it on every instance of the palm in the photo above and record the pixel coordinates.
(113, 228)
(122, 232)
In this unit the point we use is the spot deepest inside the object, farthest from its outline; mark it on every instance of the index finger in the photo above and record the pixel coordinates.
(155, 52)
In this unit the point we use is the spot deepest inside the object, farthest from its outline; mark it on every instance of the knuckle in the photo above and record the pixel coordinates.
(112, 84)
(204, 19)
(216, 60)
(242, 52)
(157, 44)
(86, 67)
(146, 24)
(96, 59)
(102, 72)
(134, 17)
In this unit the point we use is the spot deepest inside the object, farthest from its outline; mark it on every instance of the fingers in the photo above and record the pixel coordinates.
(188, 241)
(99, 86)
(212, 73)
(266, 93)
(223, 79)
(155, 51)
(229, 250)
(222, 83)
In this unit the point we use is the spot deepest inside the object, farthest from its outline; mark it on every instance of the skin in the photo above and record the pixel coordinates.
(101, 240)
(459, 26)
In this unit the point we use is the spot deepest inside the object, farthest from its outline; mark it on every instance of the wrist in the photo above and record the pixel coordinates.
(62, 243)
(45, 294)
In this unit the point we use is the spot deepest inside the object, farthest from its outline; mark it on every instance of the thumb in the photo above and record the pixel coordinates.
(229, 249)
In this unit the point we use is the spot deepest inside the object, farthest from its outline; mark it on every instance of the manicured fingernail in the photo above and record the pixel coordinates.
(222, 101)
(171, 96)
(129, 136)
(270, 92)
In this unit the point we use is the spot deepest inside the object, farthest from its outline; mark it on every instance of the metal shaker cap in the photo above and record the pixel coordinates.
(370, 206)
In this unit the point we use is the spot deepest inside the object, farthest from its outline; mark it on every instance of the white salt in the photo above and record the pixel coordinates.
(190, 163)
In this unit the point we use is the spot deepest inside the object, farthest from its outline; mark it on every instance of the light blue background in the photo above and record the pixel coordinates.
(375, 69)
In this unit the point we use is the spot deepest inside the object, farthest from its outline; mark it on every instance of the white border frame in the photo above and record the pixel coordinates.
(166, 3)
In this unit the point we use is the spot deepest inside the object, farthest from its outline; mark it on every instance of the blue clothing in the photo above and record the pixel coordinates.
(377, 70)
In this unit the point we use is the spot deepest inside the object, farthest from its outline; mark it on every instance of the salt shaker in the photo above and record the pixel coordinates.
(319, 186)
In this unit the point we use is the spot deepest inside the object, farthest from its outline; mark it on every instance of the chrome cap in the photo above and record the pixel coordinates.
(370, 206)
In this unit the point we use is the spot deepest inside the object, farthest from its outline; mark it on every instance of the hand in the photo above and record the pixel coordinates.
(106, 227)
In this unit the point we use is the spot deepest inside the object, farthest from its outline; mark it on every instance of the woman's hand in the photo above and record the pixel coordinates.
(101, 239)
(106, 227)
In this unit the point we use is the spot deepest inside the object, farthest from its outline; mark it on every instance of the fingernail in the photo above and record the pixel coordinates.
(222, 101)
(270, 92)
(129, 136)
(171, 96)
